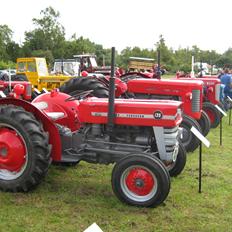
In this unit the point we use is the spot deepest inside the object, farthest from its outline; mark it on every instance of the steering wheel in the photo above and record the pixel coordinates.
(79, 96)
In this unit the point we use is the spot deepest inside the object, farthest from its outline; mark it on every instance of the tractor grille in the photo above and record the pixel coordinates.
(167, 142)
(170, 139)
(217, 92)
(196, 99)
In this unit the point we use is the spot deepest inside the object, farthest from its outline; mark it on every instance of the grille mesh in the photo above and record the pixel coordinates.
(170, 138)
(196, 94)
(217, 92)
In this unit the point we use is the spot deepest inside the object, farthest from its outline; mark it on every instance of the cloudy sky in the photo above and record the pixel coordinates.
(123, 23)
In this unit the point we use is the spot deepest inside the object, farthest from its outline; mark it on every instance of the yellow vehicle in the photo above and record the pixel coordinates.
(141, 64)
(35, 70)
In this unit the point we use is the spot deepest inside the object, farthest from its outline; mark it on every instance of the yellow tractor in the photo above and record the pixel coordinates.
(35, 70)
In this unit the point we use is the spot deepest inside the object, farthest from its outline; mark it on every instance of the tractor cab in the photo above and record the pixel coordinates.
(35, 70)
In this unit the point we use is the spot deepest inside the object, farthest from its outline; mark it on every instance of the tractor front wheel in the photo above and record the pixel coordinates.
(178, 165)
(213, 114)
(204, 123)
(24, 150)
(141, 180)
(189, 140)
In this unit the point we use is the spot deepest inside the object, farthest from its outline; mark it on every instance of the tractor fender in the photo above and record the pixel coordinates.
(48, 125)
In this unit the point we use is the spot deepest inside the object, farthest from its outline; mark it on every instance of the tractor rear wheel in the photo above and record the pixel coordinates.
(204, 123)
(177, 167)
(213, 114)
(140, 180)
(79, 84)
(189, 140)
(24, 150)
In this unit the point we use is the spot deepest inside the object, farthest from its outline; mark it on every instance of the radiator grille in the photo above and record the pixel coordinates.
(170, 139)
(217, 92)
(196, 99)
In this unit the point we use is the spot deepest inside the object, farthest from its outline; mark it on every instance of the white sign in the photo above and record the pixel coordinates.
(93, 228)
(2, 94)
(229, 98)
(45, 90)
(200, 136)
(220, 110)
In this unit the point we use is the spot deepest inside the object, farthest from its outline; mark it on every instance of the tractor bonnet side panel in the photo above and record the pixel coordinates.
(190, 93)
(132, 112)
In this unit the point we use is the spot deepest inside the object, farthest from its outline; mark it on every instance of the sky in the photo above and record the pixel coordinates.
(130, 23)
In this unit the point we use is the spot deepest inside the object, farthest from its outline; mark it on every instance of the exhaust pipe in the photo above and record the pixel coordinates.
(111, 107)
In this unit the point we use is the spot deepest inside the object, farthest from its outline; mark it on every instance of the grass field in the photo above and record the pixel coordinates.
(71, 199)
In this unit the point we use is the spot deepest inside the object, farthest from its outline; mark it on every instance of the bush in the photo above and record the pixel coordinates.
(6, 65)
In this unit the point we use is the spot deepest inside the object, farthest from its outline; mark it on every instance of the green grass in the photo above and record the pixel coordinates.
(71, 199)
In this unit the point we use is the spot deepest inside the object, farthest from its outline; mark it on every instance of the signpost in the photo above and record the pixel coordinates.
(224, 114)
(207, 144)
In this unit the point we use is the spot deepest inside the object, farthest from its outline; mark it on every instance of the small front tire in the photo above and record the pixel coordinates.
(204, 123)
(177, 167)
(189, 140)
(213, 114)
(140, 180)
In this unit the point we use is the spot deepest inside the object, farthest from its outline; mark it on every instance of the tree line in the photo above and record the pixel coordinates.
(47, 39)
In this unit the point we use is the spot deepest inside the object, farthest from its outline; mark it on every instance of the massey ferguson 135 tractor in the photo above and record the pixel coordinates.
(147, 88)
(211, 96)
(140, 137)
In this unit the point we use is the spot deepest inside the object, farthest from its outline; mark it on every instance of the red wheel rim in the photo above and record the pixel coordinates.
(140, 181)
(13, 152)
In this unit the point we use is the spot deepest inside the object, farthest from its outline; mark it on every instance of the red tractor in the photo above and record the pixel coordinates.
(19, 89)
(148, 88)
(139, 136)
(211, 96)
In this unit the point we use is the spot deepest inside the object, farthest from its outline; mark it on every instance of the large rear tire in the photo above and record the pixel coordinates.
(189, 140)
(80, 84)
(24, 150)
(204, 123)
(213, 114)
(140, 180)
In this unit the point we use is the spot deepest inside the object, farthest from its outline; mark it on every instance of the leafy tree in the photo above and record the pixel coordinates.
(14, 51)
(5, 39)
(48, 35)
(166, 57)
(46, 54)
(77, 46)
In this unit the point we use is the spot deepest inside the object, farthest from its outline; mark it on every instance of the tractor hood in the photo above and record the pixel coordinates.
(136, 112)
(164, 87)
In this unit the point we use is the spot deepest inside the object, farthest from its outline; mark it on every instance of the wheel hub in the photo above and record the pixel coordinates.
(140, 181)
(12, 150)
(3, 151)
